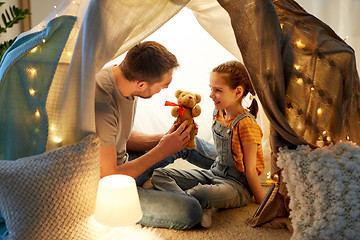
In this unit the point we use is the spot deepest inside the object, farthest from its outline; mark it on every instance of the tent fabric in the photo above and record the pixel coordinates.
(304, 74)
(29, 65)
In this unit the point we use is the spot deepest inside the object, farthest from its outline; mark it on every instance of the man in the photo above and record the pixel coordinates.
(145, 71)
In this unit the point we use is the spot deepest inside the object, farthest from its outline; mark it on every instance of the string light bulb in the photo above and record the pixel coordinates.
(34, 49)
(37, 114)
(32, 92)
(299, 44)
(32, 72)
(297, 67)
(299, 81)
(57, 139)
(319, 111)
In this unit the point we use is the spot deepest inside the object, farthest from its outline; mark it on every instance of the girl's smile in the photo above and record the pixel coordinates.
(223, 96)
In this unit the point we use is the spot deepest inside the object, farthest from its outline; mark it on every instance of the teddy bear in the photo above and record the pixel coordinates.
(186, 109)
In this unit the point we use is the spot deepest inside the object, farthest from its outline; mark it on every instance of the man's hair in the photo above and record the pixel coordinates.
(148, 61)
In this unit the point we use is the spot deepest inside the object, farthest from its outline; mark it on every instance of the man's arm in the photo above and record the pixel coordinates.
(172, 142)
(140, 142)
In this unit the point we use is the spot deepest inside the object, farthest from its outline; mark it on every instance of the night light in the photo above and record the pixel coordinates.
(117, 202)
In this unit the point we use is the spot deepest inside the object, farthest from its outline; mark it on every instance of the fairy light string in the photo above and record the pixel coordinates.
(32, 71)
(303, 81)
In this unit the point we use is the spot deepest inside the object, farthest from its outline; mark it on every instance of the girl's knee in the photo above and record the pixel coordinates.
(161, 173)
(201, 193)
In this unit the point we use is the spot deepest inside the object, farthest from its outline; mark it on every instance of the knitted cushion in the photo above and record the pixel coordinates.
(324, 190)
(51, 195)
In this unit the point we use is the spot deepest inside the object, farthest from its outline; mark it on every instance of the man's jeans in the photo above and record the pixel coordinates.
(170, 209)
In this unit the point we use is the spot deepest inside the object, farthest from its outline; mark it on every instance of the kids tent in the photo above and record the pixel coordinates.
(304, 75)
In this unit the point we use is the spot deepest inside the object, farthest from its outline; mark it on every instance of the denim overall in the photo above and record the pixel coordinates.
(221, 186)
(224, 165)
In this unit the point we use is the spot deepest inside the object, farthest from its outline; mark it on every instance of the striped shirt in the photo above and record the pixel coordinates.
(246, 131)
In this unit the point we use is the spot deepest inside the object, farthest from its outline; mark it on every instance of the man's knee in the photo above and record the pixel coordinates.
(169, 209)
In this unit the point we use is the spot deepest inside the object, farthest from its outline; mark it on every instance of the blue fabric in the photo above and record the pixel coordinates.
(21, 132)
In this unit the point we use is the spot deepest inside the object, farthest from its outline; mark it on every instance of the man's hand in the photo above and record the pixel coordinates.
(175, 139)
(196, 128)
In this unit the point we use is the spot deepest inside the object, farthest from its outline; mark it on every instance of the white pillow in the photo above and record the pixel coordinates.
(324, 190)
(51, 195)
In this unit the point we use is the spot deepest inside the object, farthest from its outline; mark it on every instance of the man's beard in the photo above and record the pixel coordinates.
(144, 94)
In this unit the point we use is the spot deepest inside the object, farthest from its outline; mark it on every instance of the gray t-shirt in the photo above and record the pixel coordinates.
(114, 114)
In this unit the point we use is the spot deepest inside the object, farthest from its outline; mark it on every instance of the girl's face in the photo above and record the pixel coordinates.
(223, 96)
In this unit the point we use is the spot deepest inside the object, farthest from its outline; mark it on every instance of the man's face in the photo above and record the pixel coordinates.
(150, 90)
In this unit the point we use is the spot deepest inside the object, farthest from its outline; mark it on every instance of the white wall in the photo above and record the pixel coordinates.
(40, 9)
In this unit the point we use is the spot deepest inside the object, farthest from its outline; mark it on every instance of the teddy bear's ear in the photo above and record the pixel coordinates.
(177, 93)
(198, 98)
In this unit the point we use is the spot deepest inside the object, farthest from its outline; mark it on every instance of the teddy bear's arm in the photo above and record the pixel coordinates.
(175, 111)
(196, 111)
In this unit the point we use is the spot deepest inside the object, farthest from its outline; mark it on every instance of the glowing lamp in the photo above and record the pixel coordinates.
(117, 202)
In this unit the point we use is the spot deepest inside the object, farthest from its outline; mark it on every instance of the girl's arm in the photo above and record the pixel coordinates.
(250, 151)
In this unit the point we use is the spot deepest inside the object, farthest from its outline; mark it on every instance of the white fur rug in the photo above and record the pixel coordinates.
(324, 188)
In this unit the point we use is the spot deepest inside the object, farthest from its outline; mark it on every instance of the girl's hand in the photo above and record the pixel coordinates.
(196, 128)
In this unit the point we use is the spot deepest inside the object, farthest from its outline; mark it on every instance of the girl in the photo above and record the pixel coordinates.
(233, 177)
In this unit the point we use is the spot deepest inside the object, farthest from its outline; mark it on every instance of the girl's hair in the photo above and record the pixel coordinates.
(238, 76)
